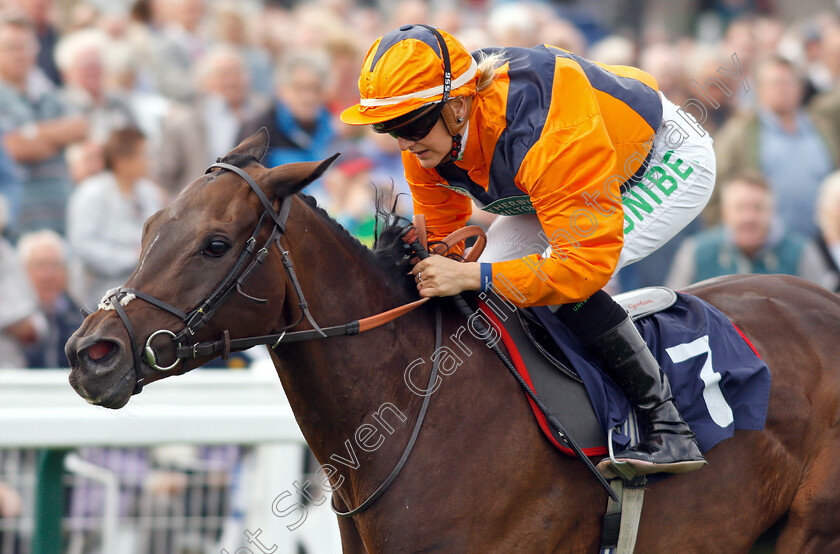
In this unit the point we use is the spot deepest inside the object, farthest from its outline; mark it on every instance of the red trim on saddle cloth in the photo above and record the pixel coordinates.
(513, 353)
(743, 336)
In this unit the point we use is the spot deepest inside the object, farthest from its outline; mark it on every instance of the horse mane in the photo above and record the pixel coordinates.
(390, 255)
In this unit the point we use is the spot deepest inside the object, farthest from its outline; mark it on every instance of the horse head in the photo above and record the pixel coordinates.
(198, 270)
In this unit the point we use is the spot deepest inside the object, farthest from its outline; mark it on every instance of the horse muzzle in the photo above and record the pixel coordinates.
(101, 369)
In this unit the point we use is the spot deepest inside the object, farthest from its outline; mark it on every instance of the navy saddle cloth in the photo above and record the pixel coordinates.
(718, 380)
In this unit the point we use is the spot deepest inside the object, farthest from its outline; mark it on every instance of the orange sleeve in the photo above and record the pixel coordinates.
(567, 174)
(445, 210)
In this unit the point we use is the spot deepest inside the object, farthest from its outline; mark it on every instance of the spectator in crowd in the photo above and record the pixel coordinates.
(80, 59)
(561, 33)
(84, 159)
(825, 108)
(613, 50)
(749, 240)
(408, 11)
(299, 123)
(36, 128)
(196, 134)
(663, 62)
(721, 94)
(345, 57)
(828, 238)
(178, 46)
(769, 138)
(44, 255)
(387, 173)
(125, 79)
(40, 13)
(81, 15)
(512, 24)
(106, 216)
(141, 37)
(769, 32)
(739, 38)
(232, 28)
(21, 323)
(349, 196)
(824, 72)
(11, 188)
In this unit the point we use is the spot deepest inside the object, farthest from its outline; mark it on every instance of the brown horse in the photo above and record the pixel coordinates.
(481, 477)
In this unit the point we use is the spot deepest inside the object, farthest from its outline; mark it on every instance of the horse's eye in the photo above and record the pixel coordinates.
(216, 248)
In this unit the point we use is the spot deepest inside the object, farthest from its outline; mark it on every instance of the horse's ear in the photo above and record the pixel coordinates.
(288, 179)
(255, 146)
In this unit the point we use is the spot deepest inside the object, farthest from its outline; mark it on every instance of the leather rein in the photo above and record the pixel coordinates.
(186, 348)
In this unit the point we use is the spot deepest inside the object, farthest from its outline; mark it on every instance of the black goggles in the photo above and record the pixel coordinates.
(412, 126)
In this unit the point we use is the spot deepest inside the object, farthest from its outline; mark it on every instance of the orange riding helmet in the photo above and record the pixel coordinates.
(404, 82)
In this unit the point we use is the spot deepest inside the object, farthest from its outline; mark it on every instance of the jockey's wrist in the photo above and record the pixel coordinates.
(472, 275)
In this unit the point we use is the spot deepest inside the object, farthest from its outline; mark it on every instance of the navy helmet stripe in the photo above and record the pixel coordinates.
(405, 32)
(637, 95)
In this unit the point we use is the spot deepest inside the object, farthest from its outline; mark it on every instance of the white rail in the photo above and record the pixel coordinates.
(38, 408)
(109, 480)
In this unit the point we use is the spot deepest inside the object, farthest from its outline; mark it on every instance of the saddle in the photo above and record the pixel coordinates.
(547, 370)
(718, 379)
(684, 333)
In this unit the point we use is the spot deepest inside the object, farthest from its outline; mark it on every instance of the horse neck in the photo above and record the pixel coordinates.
(336, 385)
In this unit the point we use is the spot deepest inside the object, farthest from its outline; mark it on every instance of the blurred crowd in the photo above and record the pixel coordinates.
(108, 108)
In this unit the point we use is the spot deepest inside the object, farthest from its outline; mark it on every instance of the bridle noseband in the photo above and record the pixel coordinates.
(186, 347)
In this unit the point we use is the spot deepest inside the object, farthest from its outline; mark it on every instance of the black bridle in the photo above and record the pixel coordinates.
(185, 346)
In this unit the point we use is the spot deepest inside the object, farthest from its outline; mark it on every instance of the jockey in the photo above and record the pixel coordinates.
(558, 147)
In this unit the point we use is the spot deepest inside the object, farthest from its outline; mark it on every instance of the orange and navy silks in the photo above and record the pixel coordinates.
(556, 135)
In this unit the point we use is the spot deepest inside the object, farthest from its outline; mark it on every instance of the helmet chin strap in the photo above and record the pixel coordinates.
(453, 153)
(454, 125)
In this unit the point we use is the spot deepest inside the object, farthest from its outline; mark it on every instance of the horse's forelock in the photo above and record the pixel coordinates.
(239, 160)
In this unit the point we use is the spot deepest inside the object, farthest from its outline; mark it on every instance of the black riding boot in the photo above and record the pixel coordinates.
(669, 444)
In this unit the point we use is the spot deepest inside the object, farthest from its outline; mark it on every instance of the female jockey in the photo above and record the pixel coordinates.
(552, 143)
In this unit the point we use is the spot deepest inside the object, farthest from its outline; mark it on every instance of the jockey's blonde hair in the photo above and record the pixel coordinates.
(487, 64)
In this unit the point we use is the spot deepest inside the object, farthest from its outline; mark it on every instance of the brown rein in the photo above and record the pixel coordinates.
(446, 244)
(226, 345)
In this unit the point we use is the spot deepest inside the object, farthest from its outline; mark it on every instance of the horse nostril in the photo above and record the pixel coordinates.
(99, 350)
